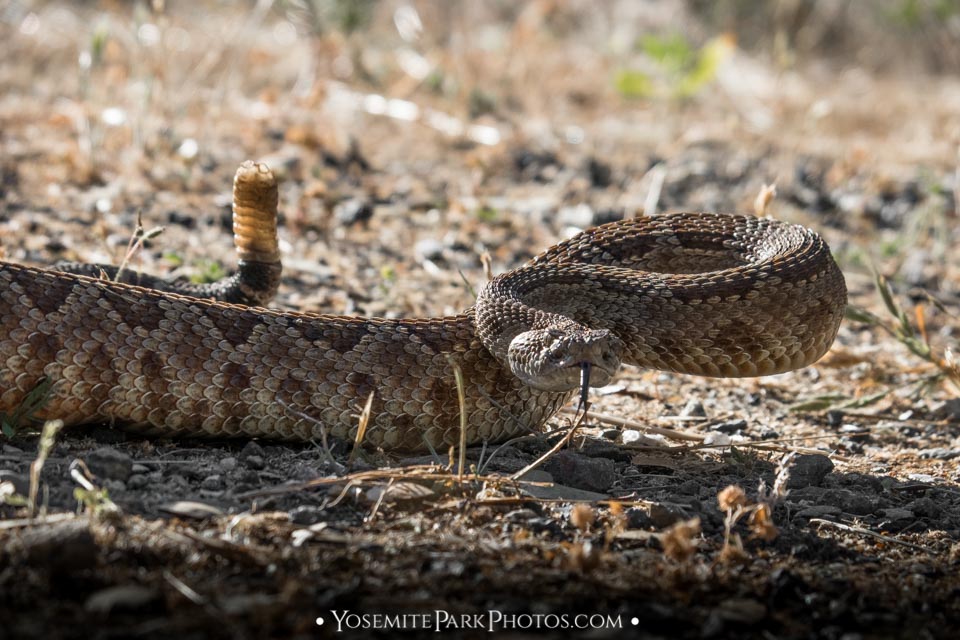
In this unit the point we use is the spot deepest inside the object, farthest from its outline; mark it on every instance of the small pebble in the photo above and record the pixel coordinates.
(212, 483)
(21, 483)
(352, 212)
(582, 472)
(638, 518)
(806, 470)
(139, 481)
(428, 249)
(730, 426)
(108, 463)
(251, 449)
(694, 409)
(254, 462)
(663, 515)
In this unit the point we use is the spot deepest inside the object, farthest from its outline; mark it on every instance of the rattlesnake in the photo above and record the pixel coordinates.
(703, 294)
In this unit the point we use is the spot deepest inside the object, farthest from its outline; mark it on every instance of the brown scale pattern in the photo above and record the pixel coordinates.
(692, 293)
(161, 363)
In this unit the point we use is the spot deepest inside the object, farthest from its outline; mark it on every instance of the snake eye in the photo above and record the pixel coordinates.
(556, 350)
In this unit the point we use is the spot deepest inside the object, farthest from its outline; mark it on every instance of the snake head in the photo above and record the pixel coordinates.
(554, 359)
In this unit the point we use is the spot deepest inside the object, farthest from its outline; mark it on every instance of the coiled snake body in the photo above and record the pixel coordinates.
(703, 294)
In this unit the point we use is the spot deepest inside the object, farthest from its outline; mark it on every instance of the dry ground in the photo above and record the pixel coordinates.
(110, 112)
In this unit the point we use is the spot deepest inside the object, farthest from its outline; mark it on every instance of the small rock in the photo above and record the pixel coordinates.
(853, 431)
(21, 483)
(730, 427)
(630, 436)
(108, 463)
(926, 508)
(306, 514)
(191, 509)
(138, 481)
(428, 249)
(665, 514)
(114, 487)
(228, 464)
(352, 212)
(611, 434)
(638, 518)
(925, 478)
(806, 470)
(850, 501)
(689, 488)
(139, 468)
(212, 483)
(249, 478)
(251, 449)
(694, 409)
(717, 439)
(582, 472)
(254, 462)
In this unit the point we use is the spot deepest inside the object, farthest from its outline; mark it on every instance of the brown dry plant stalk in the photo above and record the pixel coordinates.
(912, 333)
(680, 541)
(48, 438)
(736, 505)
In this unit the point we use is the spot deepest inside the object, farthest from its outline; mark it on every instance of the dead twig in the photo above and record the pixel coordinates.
(873, 534)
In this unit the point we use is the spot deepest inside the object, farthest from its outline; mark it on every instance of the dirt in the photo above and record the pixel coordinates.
(848, 525)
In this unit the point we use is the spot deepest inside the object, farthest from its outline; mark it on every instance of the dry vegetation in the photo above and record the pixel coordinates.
(419, 146)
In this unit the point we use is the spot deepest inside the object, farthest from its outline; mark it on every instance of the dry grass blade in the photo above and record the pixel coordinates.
(657, 176)
(140, 235)
(462, 399)
(867, 532)
(766, 195)
(362, 427)
(48, 437)
(911, 334)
